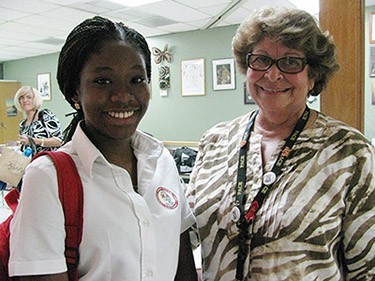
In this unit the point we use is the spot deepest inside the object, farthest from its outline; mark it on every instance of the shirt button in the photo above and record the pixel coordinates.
(146, 223)
(149, 273)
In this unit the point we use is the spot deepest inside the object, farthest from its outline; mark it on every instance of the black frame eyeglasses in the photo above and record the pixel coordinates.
(290, 65)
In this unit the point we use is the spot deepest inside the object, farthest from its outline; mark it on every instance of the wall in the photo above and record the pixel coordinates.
(171, 118)
(369, 81)
(187, 117)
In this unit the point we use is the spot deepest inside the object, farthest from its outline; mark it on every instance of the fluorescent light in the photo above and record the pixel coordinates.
(310, 6)
(134, 3)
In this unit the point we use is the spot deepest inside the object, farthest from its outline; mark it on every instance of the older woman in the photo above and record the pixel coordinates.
(284, 192)
(40, 127)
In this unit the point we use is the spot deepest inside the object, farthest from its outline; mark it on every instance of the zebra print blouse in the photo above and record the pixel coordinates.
(318, 221)
(47, 125)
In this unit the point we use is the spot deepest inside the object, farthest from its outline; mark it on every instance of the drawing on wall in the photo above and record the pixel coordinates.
(164, 72)
(44, 85)
(164, 77)
(247, 98)
(372, 61)
(11, 108)
(372, 28)
(192, 78)
(223, 74)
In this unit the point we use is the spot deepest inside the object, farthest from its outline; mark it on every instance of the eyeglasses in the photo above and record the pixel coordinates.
(290, 65)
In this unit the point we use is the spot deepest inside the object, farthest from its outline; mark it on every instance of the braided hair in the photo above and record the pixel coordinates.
(85, 39)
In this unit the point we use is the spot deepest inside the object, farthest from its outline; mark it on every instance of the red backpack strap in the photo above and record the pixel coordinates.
(71, 197)
(12, 199)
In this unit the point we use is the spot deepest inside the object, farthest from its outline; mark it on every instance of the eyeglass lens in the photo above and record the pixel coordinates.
(285, 64)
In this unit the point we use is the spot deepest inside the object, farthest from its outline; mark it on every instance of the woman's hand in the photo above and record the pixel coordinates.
(24, 140)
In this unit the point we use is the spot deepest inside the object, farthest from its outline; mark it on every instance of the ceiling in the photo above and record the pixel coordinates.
(37, 27)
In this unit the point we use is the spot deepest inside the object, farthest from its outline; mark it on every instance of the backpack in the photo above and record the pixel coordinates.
(71, 197)
(185, 159)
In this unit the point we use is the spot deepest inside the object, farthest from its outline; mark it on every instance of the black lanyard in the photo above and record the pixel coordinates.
(246, 218)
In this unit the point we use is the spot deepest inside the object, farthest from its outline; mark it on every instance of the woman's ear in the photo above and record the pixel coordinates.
(77, 105)
(311, 84)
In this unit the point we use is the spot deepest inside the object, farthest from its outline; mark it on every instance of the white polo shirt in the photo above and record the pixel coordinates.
(126, 235)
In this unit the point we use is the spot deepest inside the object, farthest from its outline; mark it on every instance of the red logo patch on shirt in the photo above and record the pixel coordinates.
(166, 198)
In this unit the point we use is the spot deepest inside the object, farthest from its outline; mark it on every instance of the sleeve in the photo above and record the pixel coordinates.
(191, 192)
(51, 124)
(37, 233)
(198, 166)
(359, 220)
(187, 216)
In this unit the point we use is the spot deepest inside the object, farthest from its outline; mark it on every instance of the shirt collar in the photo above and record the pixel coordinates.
(86, 150)
(144, 145)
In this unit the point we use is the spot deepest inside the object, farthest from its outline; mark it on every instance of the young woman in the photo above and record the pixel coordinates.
(136, 218)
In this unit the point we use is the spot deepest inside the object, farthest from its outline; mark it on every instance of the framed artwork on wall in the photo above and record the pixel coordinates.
(192, 77)
(372, 28)
(223, 74)
(372, 61)
(246, 95)
(44, 85)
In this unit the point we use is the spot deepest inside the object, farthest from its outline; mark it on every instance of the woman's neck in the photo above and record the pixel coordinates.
(277, 126)
(123, 157)
(117, 151)
(30, 116)
(274, 131)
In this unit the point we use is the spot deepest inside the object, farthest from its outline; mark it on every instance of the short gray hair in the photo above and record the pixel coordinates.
(295, 29)
(37, 102)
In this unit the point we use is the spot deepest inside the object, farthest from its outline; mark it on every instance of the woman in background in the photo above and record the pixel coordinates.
(285, 192)
(40, 130)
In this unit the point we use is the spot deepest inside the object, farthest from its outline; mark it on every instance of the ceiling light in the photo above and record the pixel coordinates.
(134, 3)
(310, 6)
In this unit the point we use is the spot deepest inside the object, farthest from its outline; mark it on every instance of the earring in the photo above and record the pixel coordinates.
(77, 106)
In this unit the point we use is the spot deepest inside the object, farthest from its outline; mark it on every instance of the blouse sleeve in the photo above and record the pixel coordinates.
(51, 124)
(359, 220)
(37, 240)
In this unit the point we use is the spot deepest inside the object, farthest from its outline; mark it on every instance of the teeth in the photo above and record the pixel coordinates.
(274, 90)
(121, 115)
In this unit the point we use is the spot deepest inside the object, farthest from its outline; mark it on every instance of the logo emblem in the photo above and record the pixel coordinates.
(166, 198)
(269, 178)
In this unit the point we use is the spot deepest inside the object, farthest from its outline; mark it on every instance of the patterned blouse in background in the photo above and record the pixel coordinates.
(46, 125)
(317, 223)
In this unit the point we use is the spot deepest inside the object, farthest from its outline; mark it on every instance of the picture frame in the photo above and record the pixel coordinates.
(223, 74)
(44, 85)
(372, 27)
(193, 77)
(246, 95)
(372, 62)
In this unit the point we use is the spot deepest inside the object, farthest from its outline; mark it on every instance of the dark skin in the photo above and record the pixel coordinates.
(186, 270)
(114, 94)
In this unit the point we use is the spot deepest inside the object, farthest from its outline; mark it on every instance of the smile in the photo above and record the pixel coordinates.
(121, 115)
(274, 90)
